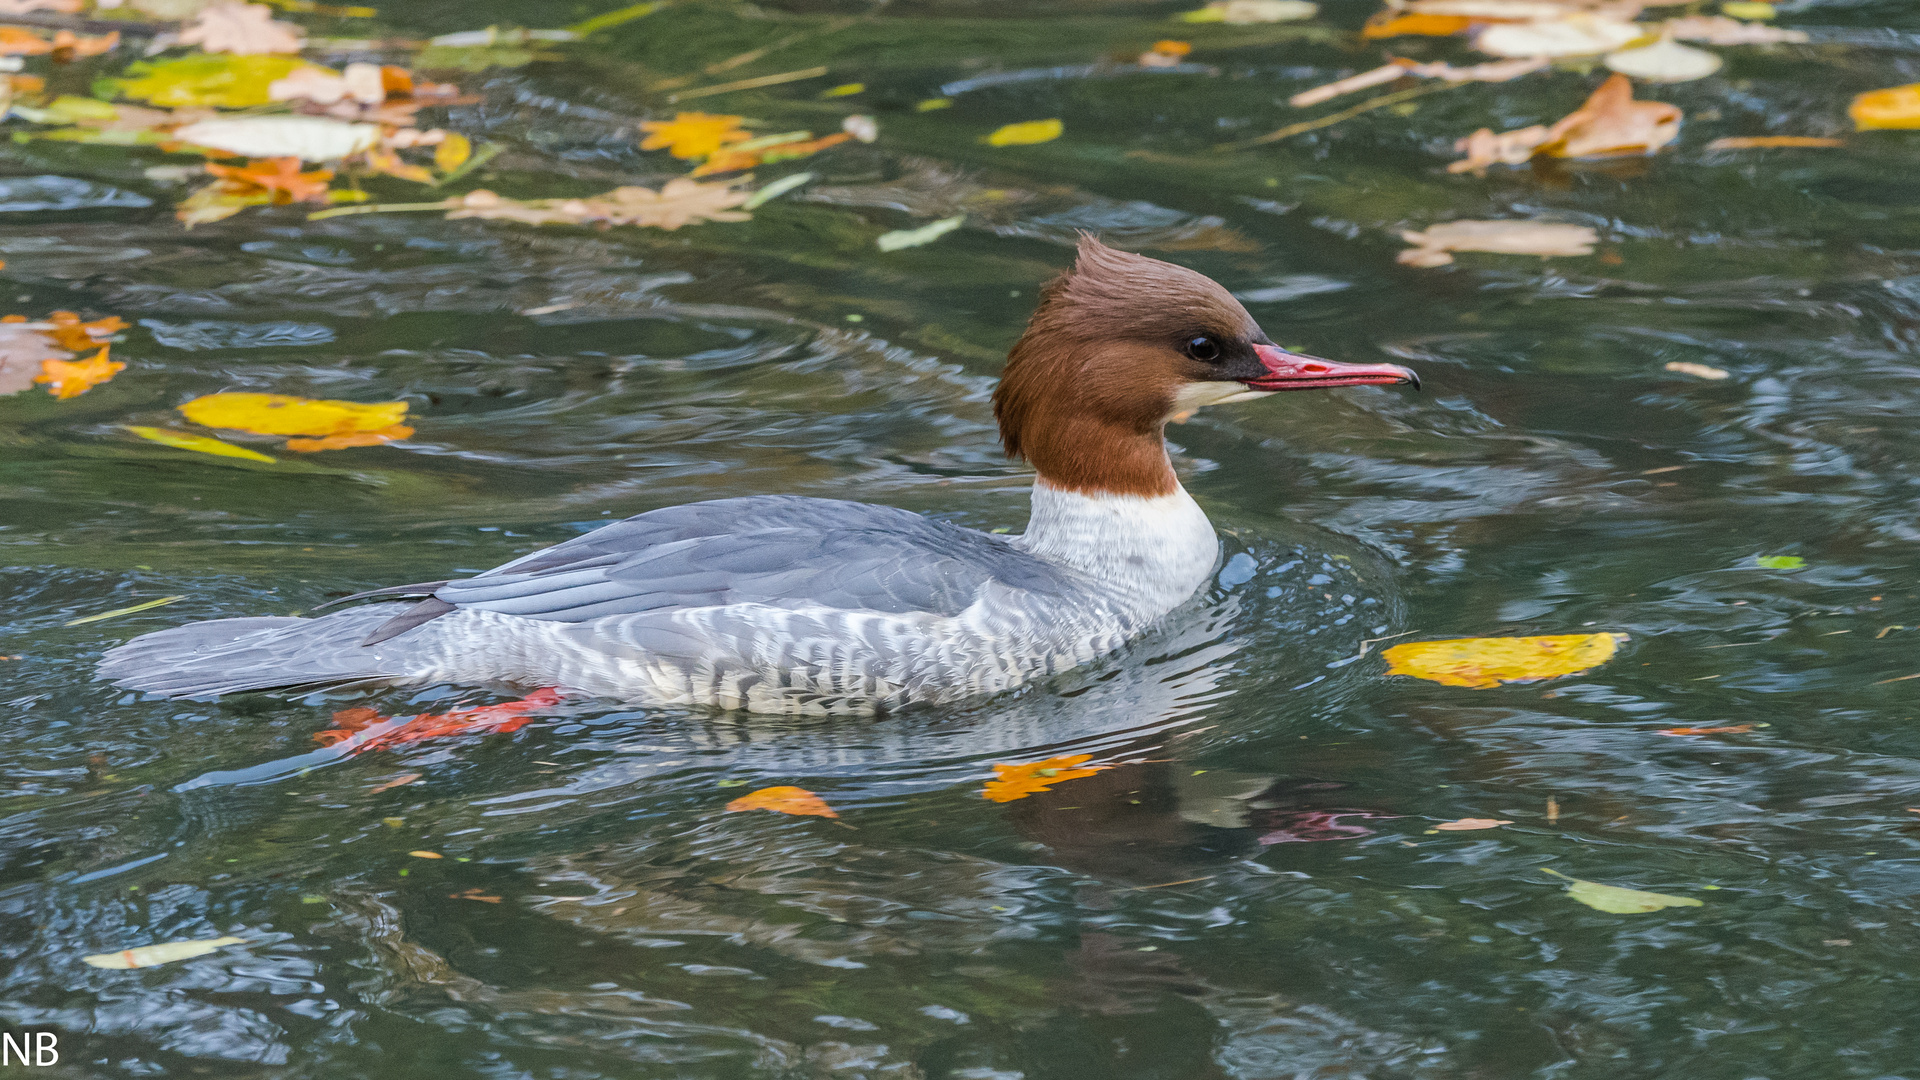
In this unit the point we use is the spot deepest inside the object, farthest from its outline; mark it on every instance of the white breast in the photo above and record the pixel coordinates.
(1151, 553)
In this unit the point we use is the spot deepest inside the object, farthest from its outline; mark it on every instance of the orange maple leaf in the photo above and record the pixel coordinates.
(1019, 781)
(70, 333)
(279, 176)
(1383, 26)
(351, 438)
(68, 46)
(388, 162)
(15, 41)
(71, 378)
(692, 135)
(785, 799)
(504, 717)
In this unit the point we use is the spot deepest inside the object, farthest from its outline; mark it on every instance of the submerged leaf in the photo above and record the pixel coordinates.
(199, 444)
(1019, 781)
(361, 729)
(285, 414)
(1780, 562)
(926, 234)
(1730, 729)
(1543, 238)
(117, 612)
(351, 439)
(1764, 142)
(1618, 901)
(228, 26)
(1487, 662)
(154, 955)
(784, 800)
(1698, 371)
(1470, 824)
(1026, 133)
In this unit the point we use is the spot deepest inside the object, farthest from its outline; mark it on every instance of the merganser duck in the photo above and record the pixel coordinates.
(785, 604)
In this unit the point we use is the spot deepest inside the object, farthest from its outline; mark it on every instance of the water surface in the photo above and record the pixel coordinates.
(1256, 894)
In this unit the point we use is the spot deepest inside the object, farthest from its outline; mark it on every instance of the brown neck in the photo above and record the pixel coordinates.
(1092, 456)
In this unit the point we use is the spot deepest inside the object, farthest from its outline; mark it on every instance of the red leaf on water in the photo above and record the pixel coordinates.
(504, 717)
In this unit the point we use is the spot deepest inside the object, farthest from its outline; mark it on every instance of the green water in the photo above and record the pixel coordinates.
(1258, 895)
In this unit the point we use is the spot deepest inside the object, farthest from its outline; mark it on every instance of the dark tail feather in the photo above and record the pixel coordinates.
(225, 656)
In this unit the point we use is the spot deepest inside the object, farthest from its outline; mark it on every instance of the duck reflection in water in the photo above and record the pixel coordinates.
(1165, 821)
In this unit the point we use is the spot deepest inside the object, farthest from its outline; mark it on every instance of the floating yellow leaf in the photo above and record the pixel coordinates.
(1019, 781)
(1748, 9)
(453, 152)
(785, 799)
(426, 855)
(154, 955)
(199, 444)
(692, 135)
(220, 79)
(1485, 662)
(845, 90)
(1026, 133)
(284, 414)
(1894, 107)
(71, 378)
(1617, 901)
(1423, 25)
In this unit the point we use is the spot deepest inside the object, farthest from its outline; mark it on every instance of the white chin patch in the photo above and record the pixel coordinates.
(1196, 395)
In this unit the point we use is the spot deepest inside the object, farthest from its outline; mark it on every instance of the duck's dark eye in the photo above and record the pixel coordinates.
(1204, 349)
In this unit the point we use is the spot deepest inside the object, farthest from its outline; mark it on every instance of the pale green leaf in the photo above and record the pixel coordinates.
(117, 612)
(1617, 901)
(153, 955)
(926, 234)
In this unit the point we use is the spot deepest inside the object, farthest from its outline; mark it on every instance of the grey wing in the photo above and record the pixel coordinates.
(782, 551)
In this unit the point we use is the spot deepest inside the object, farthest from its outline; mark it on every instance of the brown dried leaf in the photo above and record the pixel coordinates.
(1612, 124)
(1543, 238)
(230, 26)
(1767, 142)
(1720, 30)
(1469, 824)
(485, 204)
(680, 202)
(1484, 148)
